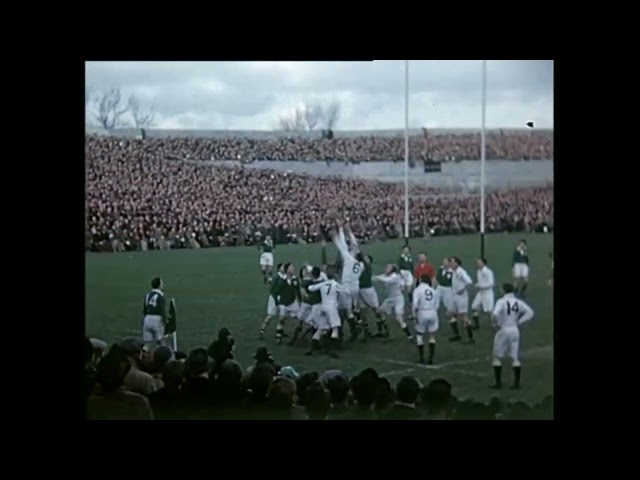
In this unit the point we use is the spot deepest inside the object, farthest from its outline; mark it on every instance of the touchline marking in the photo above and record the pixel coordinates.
(458, 362)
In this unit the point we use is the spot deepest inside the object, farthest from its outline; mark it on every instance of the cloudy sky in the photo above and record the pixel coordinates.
(253, 95)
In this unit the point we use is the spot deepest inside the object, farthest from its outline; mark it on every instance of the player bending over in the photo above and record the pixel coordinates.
(351, 271)
(272, 302)
(508, 314)
(520, 268)
(484, 299)
(266, 258)
(288, 299)
(155, 316)
(425, 309)
(394, 303)
(329, 290)
(460, 281)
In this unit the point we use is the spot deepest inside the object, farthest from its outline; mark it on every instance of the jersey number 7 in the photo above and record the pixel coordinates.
(328, 289)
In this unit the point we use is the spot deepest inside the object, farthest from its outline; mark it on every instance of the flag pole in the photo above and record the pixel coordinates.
(483, 155)
(406, 153)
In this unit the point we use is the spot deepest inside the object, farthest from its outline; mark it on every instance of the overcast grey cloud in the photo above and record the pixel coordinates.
(252, 95)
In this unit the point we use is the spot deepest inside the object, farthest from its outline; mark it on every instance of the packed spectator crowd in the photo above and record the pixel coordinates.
(500, 145)
(127, 381)
(137, 199)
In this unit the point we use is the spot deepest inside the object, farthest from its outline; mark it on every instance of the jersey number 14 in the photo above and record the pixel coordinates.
(512, 307)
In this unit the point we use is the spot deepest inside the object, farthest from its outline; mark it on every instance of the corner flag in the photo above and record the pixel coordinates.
(172, 324)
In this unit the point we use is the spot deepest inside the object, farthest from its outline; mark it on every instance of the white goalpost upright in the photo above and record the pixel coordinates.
(406, 152)
(483, 155)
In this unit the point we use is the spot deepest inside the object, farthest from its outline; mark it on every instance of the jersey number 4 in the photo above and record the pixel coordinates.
(152, 300)
(428, 295)
(512, 307)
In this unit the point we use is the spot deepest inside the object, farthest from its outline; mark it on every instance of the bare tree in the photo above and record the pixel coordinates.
(312, 115)
(293, 123)
(110, 107)
(88, 95)
(331, 114)
(141, 118)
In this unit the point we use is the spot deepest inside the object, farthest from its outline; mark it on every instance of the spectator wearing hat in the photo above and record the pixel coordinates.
(115, 402)
(262, 355)
(137, 380)
(222, 348)
(196, 386)
(167, 401)
(258, 384)
(407, 392)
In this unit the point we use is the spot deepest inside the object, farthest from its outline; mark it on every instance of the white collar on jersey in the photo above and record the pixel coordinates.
(157, 290)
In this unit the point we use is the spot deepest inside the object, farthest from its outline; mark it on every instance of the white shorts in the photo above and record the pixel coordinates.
(332, 316)
(304, 311)
(393, 305)
(289, 310)
(407, 278)
(459, 303)
(521, 270)
(317, 318)
(483, 301)
(427, 322)
(152, 328)
(272, 308)
(266, 259)
(348, 300)
(445, 297)
(369, 297)
(506, 343)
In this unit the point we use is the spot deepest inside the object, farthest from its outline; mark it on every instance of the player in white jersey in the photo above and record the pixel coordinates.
(393, 304)
(329, 290)
(425, 310)
(509, 313)
(354, 248)
(484, 299)
(351, 271)
(459, 305)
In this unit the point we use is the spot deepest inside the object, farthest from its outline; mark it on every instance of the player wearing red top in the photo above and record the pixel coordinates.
(423, 268)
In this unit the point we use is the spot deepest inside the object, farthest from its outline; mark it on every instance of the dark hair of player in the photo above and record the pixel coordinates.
(394, 269)
(331, 272)
(315, 272)
(302, 269)
(370, 258)
(360, 257)
(484, 260)
(286, 266)
(457, 260)
(425, 279)
(523, 241)
(155, 283)
(507, 288)
(279, 267)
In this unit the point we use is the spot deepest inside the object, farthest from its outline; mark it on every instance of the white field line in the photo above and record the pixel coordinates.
(454, 363)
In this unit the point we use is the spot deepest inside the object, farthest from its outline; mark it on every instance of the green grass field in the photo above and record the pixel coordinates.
(223, 287)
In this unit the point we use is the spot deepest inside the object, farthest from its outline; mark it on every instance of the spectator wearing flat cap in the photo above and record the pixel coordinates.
(221, 349)
(196, 386)
(262, 355)
(115, 402)
(137, 380)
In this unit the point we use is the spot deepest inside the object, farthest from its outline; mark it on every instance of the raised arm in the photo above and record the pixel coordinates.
(383, 278)
(340, 243)
(354, 241)
(314, 287)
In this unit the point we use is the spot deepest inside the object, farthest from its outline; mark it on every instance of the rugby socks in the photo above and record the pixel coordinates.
(315, 346)
(406, 331)
(265, 324)
(469, 333)
(454, 327)
(497, 374)
(476, 321)
(516, 376)
(280, 331)
(432, 350)
(420, 343)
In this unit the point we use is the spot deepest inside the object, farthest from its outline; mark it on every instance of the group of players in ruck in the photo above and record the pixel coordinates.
(319, 305)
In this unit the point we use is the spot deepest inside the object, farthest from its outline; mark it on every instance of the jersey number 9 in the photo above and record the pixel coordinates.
(428, 295)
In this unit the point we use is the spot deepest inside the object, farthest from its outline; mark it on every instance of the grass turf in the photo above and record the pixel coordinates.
(223, 287)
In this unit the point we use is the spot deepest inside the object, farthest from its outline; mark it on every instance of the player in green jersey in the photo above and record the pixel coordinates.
(266, 257)
(154, 312)
(520, 268)
(272, 302)
(288, 297)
